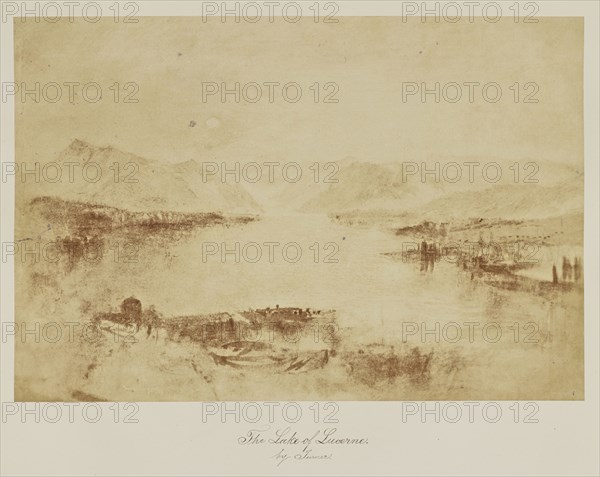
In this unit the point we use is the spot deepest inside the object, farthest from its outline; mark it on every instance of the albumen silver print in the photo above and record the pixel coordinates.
(367, 209)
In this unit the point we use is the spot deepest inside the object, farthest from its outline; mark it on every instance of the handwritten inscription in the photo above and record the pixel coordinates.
(295, 446)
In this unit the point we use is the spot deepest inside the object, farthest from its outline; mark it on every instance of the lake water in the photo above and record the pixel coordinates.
(503, 339)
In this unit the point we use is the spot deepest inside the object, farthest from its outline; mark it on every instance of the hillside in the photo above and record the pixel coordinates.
(127, 181)
(379, 187)
(521, 201)
(364, 186)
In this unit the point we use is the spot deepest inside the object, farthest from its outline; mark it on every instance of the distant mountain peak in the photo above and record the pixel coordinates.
(189, 166)
(142, 184)
(80, 150)
(190, 162)
(79, 145)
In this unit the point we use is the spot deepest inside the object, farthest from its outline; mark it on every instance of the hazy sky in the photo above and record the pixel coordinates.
(369, 58)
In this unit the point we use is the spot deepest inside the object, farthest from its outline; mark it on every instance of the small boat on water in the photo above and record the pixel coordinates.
(253, 355)
(120, 330)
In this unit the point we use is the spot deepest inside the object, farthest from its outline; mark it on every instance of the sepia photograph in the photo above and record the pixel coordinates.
(299, 238)
(217, 218)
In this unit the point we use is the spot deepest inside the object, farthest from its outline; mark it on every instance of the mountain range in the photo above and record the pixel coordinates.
(108, 176)
(134, 183)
